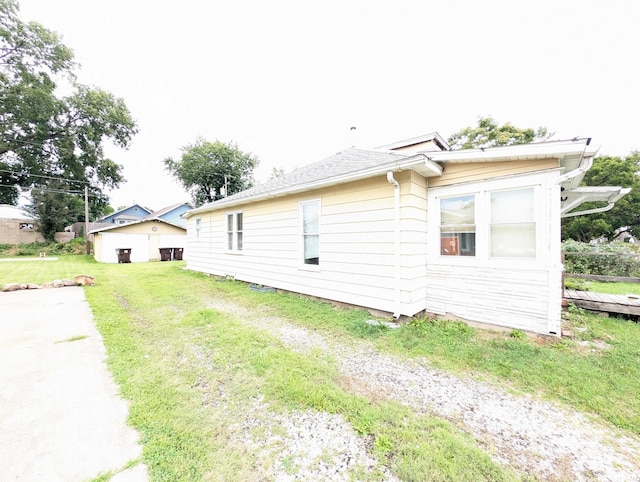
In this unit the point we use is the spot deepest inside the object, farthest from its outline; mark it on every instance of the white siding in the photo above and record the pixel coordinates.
(524, 294)
(356, 246)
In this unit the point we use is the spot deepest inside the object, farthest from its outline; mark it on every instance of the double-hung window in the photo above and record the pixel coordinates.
(512, 231)
(310, 232)
(198, 225)
(234, 231)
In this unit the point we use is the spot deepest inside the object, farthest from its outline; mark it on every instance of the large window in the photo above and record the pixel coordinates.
(310, 217)
(234, 231)
(484, 223)
(512, 224)
(458, 226)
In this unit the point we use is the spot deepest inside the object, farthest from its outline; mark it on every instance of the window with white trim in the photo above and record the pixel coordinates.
(512, 228)
(198, 223)
(458, 226)
(310, 232)
(496, 222)
(234, 231)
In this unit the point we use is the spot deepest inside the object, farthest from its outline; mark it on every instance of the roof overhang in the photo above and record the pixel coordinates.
(418, 163)
(133, 223)
(573, 198)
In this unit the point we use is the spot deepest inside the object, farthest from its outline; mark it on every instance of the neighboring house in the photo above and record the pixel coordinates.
(17, 226)
(172, 214)
(410, 227)
(126, 215)
(144, 238)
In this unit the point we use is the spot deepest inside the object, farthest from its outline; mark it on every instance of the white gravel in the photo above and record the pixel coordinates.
(536, 438)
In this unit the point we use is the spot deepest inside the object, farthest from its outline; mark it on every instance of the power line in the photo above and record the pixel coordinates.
(68, 179)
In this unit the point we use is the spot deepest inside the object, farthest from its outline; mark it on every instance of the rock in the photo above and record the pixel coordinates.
(11, 287)
(84, 280)
(33, 286)
(68, 282)
(56, 283)
(48, 284)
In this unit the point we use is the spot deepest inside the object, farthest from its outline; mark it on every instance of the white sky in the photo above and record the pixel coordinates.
(286, 80)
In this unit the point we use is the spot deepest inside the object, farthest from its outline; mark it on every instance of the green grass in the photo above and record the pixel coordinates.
(611, 288)
(191, 373)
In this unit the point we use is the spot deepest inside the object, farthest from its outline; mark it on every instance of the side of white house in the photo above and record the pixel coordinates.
(358, 262)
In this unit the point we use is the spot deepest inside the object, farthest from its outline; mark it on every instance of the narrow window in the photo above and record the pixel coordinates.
(311, 232)
(234, 231)
(457, 226)
(229, 231)
(198, 227)
(512, 225)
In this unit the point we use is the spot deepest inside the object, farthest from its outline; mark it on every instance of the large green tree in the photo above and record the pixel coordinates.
(55, 208)
(489, 134)
(45, 137)
(609, 171)
(212, 170)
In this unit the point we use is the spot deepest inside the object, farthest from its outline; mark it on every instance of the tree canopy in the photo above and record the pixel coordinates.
(609, 171)
(212, 170)
(47, 139)
(488, 134)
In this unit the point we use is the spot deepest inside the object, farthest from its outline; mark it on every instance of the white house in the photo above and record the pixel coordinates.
(410, 227)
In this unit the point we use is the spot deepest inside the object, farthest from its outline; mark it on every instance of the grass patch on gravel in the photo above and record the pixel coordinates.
(193, 373)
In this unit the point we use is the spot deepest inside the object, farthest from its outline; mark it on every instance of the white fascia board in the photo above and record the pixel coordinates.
(542, 150)
(433, 136)
(581, 195)
(418, 162)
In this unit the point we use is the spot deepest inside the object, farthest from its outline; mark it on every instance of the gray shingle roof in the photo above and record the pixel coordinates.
(346, 162)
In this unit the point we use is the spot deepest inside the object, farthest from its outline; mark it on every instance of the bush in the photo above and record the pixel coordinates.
(617, 259)
(75, 246)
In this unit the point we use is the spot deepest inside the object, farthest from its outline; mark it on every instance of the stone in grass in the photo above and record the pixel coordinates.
(20, 286)
(11, 287)
(388, 324)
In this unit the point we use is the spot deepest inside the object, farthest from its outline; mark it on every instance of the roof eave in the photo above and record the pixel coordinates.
(418, 162)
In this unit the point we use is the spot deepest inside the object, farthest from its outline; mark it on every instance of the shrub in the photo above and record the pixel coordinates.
(617, 259)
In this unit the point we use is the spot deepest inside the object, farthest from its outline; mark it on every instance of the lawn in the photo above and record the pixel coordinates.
(170, 352)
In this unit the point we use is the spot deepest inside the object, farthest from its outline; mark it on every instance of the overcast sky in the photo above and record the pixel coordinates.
(286, 80)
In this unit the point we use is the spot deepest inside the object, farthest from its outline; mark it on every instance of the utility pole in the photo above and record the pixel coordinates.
(86, 219)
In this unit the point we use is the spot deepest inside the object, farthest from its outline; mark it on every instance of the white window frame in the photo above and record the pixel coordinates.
(198, 227)
(234, 237)
(482, 192)
(302, 234)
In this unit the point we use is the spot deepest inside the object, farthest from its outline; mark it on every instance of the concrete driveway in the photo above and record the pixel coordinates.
(61, 418)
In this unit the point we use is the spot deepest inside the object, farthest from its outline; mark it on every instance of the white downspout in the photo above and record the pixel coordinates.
(396, 218)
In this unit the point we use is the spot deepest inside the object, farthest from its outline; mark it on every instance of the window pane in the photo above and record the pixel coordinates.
(457, 226)
(310, 218)
(239, 221)
(229, 223)
(239, 240)
(458, 210)
(311, 249)
(513, 240)
(229, 240)
(512, 206)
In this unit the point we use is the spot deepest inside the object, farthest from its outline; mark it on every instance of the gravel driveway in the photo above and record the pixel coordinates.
(537, 438)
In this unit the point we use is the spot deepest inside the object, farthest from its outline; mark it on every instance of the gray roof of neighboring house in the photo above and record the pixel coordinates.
(168, 209)
(343, 163)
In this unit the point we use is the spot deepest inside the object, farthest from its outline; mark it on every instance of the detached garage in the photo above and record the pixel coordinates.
(145, 239)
